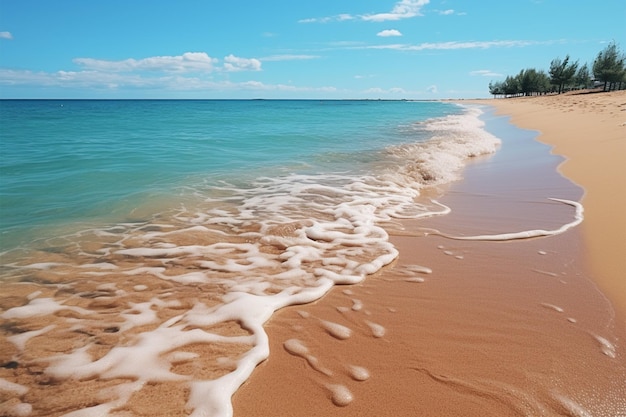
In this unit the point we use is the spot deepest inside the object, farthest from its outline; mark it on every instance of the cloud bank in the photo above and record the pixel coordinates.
(185, 63)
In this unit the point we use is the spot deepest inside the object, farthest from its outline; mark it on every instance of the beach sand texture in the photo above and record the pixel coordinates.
(590, 131)
(487, 329)
(451, 327)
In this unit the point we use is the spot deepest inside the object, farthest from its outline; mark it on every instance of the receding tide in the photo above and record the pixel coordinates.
(149, 241)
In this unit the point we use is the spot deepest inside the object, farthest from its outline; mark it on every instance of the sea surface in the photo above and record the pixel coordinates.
(70, 161)
(144, 243)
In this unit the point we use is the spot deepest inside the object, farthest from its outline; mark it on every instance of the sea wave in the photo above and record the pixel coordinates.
(181, 298)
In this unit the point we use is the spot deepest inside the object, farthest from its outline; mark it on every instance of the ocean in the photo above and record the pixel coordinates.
(148, 241)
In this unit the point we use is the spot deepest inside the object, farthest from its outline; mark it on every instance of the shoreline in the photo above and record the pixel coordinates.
(589, 130)
(449, 327)
(489, 331)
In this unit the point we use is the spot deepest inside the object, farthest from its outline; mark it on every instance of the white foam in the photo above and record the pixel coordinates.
(606, 347)
(340, 394)
(420, 269)
(296, 347)
(12, 388)
(572, 408)
(334, 236)
(358, 373)
(527, 234)
(20, 339)
(377, 329)
(21, 410)
(336, 330)
(40, 307)
(553, 307)
(357, 305)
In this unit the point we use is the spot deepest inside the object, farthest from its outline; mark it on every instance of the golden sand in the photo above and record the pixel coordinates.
(497, 329)
(590, 131)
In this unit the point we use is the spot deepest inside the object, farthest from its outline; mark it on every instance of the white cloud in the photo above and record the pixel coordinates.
(199, 62)
(446, 12)
(6, 35)
(187, 62)
(234, 63)
(432, 89)
(382, 91)
(455, 45)
(486, 73)
(288, 57)
(403, 9)
(337, 18)
(389, 32)
(117, 80)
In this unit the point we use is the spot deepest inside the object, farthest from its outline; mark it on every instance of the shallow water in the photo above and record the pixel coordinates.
(146, 245)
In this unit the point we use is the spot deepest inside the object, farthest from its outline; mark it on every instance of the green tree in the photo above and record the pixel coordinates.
(531, 82)
(496, 88)
(609, 66)
(562, 72)
(511, 86)
(582, 79)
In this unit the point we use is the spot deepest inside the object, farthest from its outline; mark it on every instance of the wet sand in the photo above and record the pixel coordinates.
(524, 327)
(590, 131)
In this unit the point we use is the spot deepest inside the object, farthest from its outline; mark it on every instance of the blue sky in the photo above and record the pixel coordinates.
(390, 49)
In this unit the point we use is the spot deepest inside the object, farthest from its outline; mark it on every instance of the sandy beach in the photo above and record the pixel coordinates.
(590, 131)
(475, 328)
(510, 304)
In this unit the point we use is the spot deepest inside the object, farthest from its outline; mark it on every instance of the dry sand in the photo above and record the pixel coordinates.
(498, 328)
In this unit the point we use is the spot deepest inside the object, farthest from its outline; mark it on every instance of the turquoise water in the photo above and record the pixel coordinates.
(65, 161)
(146, 243)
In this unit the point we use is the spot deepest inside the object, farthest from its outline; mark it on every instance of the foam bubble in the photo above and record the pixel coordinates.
(527, 234)
(606, 347)
(12, 388)
(377, 329)
(39, 307)
(420, 269)
(340, 395)
(296, 347)
(358, 373)
(552, 307)
(336, 330)
(245, 252)
(357, 305)
(572, 407)
(20, 339)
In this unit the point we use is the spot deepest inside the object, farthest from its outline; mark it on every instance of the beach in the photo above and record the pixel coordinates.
(451, 270)
(525, 327)
(590, 131)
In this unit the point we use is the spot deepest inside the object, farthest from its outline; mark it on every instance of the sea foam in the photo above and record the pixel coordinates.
(209, 274)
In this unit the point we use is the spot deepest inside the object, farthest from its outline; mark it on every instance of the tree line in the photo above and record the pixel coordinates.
(608, 70)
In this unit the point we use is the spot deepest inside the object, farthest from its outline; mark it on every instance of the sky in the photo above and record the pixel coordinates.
(315, 49)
